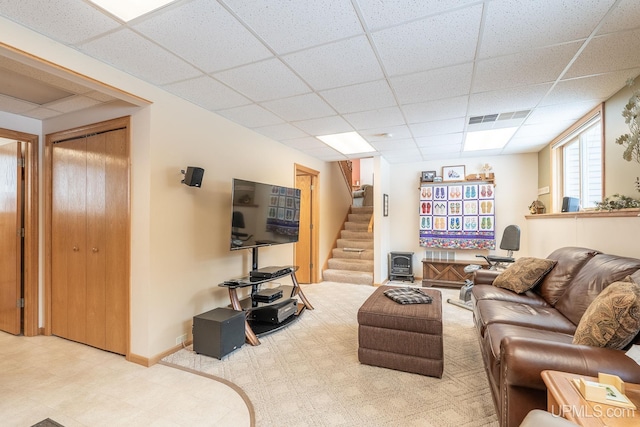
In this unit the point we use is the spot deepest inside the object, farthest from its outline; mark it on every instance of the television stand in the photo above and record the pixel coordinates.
(254, 329)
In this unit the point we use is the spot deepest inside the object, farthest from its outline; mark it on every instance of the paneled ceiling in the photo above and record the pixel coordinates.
(406, 74)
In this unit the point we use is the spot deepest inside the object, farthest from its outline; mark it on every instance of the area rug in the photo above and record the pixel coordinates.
(308, 374)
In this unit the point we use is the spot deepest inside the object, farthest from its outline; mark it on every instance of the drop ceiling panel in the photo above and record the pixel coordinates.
(403, 156)
(287, 26)
(624, 17)
(360, 97)
(324, 126)
(503, 100)
(208, 93)
(380, 14)
(613, 52)
(452, 139)
(126, 50)
(439, 127)
(439, 41)
(251, 116)
(23, 87)
(596, 88)
(264, 80)
(435, 84)
(441, 109)
(301, 107)
(73, 103)
(524, 68)
(387, 132)
(228, 43)
(386, 145)
(67, 21)
(566, 111)
(16, 106)
(281, 132)
(308, 143)
(512, 27)
(336, 64)
(390, 116)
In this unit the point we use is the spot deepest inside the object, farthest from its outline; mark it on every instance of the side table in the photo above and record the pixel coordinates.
(564, 399)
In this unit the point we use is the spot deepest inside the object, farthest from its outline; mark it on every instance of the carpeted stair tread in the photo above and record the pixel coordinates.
(358, 244)
(341, 253)
(344, 276)
(359, 218)
(356, 235)
(356, 226)
(351, 264)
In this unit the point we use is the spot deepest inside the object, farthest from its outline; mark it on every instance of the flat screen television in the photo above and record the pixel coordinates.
(263, 214)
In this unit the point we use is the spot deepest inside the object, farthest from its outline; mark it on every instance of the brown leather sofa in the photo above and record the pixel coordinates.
(523, 334)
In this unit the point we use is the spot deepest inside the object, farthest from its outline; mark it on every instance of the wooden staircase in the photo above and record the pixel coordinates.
(352, 260)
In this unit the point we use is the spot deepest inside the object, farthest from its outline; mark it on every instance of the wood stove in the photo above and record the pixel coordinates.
(401, 266)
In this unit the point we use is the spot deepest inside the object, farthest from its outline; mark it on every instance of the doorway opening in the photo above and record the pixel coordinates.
(306, 250)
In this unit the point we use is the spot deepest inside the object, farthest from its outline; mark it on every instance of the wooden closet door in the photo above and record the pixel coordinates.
(115, 249)
(10, 240)
(69, 248)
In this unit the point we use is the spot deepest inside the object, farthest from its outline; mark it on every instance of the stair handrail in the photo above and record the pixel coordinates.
(346, 167)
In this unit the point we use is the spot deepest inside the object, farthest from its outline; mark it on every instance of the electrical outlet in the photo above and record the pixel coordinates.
(182, 338)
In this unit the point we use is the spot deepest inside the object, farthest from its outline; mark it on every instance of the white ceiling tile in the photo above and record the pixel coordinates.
(516, 26)
(72, 103)
(336, 64)
(565, 111)
(40, 113)
(207, 93)
(390, 116)
(228, 43)
(264, 80)
(384, 146)
(307, 143)
(127, 50)
(13, 105)
(454, 139)
(613, 52)
(68, 21)
(534, 66)
(287, 26)
(406, 155)
(506, 100)
(301, 107)
(623, 17)
(439, 127)
(380, 14)
(435, 84)
(441, 109)
(595, 88)
(383, 133)
(251, 116)
(360, 97)
(434, 42)
(282, 131)
(325, 153)
(324, 125)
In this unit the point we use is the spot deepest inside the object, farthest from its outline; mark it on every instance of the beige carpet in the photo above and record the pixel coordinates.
(308, 374)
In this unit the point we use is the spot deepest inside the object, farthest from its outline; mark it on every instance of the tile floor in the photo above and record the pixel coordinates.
(76, 385)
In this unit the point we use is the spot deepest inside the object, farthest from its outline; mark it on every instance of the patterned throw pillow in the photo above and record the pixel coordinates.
(524, 274)
(612, 319)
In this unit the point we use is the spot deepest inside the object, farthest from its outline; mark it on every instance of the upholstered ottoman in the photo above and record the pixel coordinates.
(405, 337)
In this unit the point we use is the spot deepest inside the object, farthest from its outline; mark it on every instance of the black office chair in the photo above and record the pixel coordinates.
(510, 242)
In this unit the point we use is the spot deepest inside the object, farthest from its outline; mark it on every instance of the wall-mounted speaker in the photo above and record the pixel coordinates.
(570, 204)
(193, 176)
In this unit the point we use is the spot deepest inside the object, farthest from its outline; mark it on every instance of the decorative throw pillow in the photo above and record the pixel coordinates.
(524, 274)
(612, 319)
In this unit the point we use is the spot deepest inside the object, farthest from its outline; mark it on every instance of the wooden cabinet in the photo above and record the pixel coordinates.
(446, 273)
(90, 239)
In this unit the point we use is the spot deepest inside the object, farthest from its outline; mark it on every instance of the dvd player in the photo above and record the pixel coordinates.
(270, 272)
(274, 313)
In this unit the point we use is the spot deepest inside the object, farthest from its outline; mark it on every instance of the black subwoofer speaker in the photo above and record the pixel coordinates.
(193, 176)
(218, 332)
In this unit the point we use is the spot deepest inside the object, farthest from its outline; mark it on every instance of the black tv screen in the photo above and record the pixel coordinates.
(263, 214)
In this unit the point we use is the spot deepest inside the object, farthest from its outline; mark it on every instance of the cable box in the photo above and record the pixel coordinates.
(274, 313)
(270, 272)
(267, 295)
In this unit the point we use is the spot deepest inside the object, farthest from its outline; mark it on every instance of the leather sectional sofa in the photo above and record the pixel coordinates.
(522, 334)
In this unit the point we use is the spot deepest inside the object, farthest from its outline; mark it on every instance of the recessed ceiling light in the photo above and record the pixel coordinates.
(127, 9)
(488, 139)
(347, 143)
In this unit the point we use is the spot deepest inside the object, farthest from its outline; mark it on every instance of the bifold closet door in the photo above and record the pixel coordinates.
(89, 229)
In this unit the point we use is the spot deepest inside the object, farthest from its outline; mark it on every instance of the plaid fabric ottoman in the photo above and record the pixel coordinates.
(405, 337)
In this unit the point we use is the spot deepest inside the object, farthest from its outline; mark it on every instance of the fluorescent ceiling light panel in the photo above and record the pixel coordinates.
(488, 139)
(128, 9)
(347, 143)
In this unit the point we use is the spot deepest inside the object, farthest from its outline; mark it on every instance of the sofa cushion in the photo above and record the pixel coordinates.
(613, 318)
(524, 274)
(591, 280)
(487, 312)
(479, 292)
(570, 261)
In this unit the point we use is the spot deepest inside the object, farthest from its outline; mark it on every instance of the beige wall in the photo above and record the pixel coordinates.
(180, 235)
